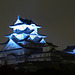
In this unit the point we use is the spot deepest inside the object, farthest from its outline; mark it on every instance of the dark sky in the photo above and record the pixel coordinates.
(57, 18)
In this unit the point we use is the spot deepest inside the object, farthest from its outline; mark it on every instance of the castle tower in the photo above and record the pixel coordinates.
(25, 32)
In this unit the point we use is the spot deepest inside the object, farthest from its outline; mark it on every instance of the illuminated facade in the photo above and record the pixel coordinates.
(24, 42)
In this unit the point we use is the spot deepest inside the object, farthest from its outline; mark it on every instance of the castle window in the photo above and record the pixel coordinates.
(44, 55)
(34, 56)
(40, 55)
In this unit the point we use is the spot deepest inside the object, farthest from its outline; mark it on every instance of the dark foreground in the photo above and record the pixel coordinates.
(38, 68)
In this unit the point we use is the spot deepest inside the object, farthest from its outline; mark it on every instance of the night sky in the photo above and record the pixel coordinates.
(57, 18)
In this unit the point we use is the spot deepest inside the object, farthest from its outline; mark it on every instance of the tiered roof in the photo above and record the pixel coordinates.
(24, 32)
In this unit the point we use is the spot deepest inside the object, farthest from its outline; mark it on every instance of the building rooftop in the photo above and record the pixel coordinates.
(69, 48)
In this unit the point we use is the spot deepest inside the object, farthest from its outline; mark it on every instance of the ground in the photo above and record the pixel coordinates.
(35, 68)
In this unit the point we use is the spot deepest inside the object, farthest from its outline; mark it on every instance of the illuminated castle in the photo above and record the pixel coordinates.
(25, 42)
(24, 32)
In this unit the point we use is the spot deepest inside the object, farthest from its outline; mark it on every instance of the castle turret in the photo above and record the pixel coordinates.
(25, 31)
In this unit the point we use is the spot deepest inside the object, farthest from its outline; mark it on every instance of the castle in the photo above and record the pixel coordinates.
(26, 44)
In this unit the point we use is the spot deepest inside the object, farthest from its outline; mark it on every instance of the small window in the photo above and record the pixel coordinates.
(40, 55)
(44, 54)
(34, 56)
